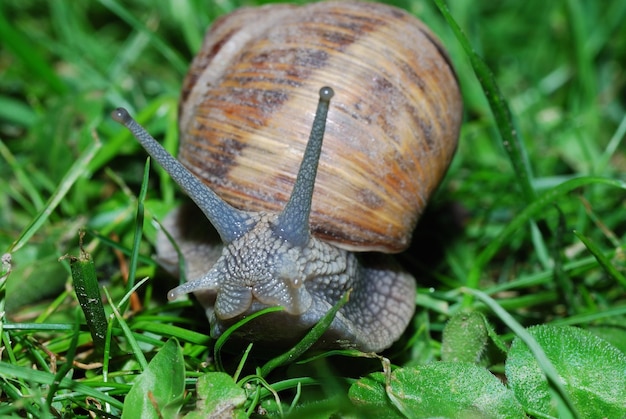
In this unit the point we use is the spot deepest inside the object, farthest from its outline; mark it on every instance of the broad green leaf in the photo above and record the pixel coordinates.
(612, 331)
(218, 396)
(158, 392)
(592, 370)
(440, 389)
(369, 394)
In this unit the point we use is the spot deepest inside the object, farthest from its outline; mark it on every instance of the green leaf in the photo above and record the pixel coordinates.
(218, 396)
(465, 338)
(369, 394)
(158, 392)
(440, 389)
(592, 371)
(612, 330)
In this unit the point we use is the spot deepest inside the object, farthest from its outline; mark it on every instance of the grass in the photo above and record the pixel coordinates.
(532, 211)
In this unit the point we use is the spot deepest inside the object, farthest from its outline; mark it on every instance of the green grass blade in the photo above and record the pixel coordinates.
(78, 169)
(171, 56)
(14, 393)
(66, 366)
(613, 146)
(88, 294)
(134, 256)
(30, 55)
(179, 333)
(533, 210)
(45, 378)
(307, 341)
(16, 112)
(500, 108)
(141, 359)
(602, 259)
(564, 285)
(219, 343)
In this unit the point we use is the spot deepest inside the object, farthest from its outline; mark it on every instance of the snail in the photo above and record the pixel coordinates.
(301, 224)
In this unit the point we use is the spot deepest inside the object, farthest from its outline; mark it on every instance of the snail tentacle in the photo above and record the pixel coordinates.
(229, 222)
(293, 221)
(209, 282)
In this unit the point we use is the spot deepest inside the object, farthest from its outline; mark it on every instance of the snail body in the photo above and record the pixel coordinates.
(293, 215)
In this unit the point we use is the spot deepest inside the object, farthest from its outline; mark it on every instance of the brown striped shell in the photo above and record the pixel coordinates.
(249, 98)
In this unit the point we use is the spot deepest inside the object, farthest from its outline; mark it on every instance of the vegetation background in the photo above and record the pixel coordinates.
(65, 65)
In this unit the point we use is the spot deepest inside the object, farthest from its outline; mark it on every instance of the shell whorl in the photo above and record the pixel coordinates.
(245, 116)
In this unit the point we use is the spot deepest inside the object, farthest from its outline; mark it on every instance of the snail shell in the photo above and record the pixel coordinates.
(245, 115)
(246, 112)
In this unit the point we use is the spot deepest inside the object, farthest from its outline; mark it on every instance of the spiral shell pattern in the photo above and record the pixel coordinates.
(250, 95)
